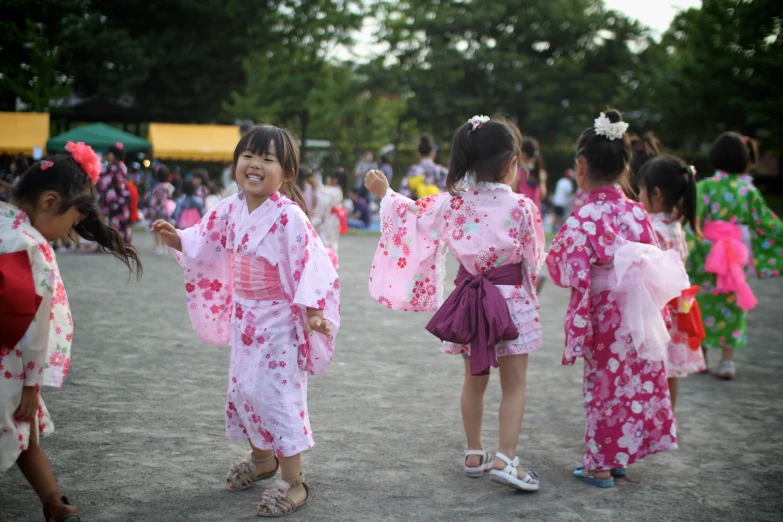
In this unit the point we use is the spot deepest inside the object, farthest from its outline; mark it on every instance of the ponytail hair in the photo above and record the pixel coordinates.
(63, 175)
(290, 189)
(677, 183)
(484, 151)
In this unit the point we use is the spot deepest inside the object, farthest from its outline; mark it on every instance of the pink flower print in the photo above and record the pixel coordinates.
(516, 214)
(386, 224)
(57, 359)
(275, 196)
(284, 219)
(46, 250)
(214, 309)
(401, 262)
(214, 236)
(272, 365)
(208, 295)
(273, 229)
(281, 364)
(247, 340)
(203, 283)
(215, 285)
(297, 275)
(633, 436)
(69, 337)
(189, 287)
(240, 312)
(469, 208)
(456, 203)
(385, 301)
(321, 303)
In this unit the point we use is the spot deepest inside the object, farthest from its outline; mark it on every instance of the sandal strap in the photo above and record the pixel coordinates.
(480, 453)
(509, 463)
(295, 482)
(259, 460)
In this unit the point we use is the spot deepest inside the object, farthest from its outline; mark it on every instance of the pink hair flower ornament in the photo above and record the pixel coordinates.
(119, 145)
(478, 121)
(46, 165)
(86, 158)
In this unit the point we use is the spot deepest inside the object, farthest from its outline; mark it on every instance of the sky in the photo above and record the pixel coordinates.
(656, 14)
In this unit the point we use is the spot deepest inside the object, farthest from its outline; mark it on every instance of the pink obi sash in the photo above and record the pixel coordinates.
(727, 260)
(257, 279)
(644, 279)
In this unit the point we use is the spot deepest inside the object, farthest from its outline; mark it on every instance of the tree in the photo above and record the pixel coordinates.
(717, 68)
(284, 80)
(549, 64)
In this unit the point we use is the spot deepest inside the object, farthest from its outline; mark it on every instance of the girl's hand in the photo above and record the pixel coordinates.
(28, 407)
(376, 182)
(168, 233)
(317, 323)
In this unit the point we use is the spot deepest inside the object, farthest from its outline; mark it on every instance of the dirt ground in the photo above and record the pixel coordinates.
(140, 435)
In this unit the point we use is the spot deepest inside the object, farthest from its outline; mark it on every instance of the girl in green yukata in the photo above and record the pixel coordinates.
(727, 206)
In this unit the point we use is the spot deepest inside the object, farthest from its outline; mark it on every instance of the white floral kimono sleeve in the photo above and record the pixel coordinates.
(209, 278)
(409, 265)
(312, 281)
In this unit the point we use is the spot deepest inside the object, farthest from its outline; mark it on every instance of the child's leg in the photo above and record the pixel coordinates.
(728, 354)
(674, 389)
(264, 464)
(35, 467)
(473, 411)
(513, 381)
(292, 468)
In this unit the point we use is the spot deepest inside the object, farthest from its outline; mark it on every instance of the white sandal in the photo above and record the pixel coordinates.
(242, 475)
(509, 476)
(484, 465)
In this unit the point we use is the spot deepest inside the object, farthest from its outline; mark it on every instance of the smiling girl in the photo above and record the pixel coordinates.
(258, 278)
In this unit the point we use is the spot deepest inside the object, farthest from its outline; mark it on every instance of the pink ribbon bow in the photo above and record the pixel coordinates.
(727, 260)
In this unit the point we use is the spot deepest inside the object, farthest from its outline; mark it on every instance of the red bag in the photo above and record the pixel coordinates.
(342, 215)
(134, 201)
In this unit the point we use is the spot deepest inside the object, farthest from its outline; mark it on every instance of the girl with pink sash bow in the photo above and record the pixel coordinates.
(620, 282)
(668, 193)
(491, 318)
(257, 277)
(728, 210)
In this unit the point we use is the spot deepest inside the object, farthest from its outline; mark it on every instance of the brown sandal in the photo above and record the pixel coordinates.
(56, 508)
(277, 503)
(241, 475)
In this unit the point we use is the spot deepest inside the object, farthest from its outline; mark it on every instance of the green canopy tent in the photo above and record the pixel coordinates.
(100, 137)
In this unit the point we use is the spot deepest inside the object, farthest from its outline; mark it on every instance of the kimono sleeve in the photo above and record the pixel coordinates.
(306, 266)
(766, 236)
(409, 265)
(569, 262)
(532, 242)
(34, 345)
(209, 283)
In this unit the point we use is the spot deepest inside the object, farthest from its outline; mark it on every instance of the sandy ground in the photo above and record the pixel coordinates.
(139, 424)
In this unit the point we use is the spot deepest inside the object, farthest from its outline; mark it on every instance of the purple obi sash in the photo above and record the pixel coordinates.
(476, 313)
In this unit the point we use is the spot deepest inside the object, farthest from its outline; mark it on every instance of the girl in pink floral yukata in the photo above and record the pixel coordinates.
(668, 192)
(620, 284)
(491, 318)
(55, 197)
(258, 278)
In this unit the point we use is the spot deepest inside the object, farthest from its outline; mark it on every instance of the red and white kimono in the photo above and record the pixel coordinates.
(36, 328)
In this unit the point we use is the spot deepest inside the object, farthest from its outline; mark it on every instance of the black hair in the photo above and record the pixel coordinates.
(189, 188)
(257, 141)
(426, 145)
(677, 183)
(608, 159)
(21, 165)
(66, 177)
(729, 153)
(753, 150)
(485, 151)
(201, 174)
(643, 148)
(531, 148)
(118, 149)
(356, 191)
(385, 159)
(162, 173)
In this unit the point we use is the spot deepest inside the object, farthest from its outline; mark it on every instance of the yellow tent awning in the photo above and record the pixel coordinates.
(173, 141)
(21, 132)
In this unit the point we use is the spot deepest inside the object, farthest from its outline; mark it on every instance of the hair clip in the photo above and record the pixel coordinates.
(478, 121)
(46, 165)
(86, 158)
(604, 127)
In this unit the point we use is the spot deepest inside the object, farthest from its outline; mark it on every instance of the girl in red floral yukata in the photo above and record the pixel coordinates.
(258, 278)
(620, 284)
(492, 316)
(53, 198)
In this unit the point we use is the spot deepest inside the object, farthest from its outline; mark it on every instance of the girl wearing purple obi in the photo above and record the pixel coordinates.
(491, 318)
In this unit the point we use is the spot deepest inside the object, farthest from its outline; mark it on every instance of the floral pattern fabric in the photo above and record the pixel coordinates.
(42, 357)
(271, 355)
(725, 197)
(681, 358)
(114, 198)
(486, 226)
(626, 398)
